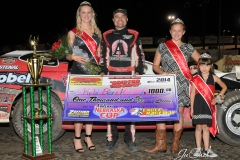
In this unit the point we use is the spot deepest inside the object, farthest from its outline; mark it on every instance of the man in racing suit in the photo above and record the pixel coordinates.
(121, 55)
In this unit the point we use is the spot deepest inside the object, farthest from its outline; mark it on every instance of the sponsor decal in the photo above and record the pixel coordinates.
(86, 81)
(64, 80)
(3, 115)
(10, 78)
(3, 108)
(6, 67)
(160, 80)
(125, 83)
(78, 113)
(8, 60)
(108, 111)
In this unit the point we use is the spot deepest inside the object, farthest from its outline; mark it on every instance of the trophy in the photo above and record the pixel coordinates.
(35, 63)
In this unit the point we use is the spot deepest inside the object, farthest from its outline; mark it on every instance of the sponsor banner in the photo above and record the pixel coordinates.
(215, 53)
(211, 39)
(194, 40)
(121, 98)
(229, 61)
(226, 39)
(146, 40)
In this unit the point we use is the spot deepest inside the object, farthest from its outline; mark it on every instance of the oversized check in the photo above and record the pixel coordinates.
(121, 98)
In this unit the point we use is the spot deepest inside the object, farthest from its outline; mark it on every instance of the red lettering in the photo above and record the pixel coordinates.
(108, 115)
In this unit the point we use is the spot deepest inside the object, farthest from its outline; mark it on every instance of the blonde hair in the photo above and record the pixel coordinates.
(92, 22)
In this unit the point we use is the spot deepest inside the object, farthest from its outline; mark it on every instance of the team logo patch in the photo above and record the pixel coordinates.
(127, 36)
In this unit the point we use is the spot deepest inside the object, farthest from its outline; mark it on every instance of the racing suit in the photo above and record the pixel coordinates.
(121, 55)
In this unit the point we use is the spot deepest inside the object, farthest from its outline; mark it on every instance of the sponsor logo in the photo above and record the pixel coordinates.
(152, 112)
(78, 113)
(125, 83)
(3, 108)
(3, 115)
(10, 78)
(85, 81)
(8, 60)
(109, 112)
(163, 80)
(4, 67)
(64, 80)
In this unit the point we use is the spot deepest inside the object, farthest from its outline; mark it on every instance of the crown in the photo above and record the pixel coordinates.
(177, 21)
(205, 55)
(85, 3)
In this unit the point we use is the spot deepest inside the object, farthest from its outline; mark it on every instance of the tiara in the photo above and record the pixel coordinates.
(85, 3)
(205, 55)
(177, 21)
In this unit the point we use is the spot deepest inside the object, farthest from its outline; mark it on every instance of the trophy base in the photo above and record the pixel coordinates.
(38, 157)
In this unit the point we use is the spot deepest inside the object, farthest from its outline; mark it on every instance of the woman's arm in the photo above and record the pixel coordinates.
(156, 63)
(73, 57)
(221, 84)
(192, 96)
(195, 55)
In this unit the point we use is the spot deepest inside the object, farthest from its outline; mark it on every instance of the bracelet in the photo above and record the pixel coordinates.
(221, 96)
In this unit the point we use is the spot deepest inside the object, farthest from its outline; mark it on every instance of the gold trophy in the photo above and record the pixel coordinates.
(35, 63)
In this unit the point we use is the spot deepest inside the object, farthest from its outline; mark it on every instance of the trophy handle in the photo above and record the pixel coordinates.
(41, 65)
(29, 63)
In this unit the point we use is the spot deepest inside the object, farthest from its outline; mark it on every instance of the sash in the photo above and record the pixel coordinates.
(179, 58)
(90, 43)
(207, 93)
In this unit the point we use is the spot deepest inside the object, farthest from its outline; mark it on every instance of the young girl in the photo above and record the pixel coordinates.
(203, 109)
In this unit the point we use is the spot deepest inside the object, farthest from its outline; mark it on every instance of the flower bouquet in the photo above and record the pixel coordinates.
(61, 48)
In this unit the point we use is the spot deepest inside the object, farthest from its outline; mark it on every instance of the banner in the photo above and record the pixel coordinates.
(121, 98)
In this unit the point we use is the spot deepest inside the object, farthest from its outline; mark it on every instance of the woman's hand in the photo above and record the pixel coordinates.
(191, 113)
(79, 59)
(214, 101)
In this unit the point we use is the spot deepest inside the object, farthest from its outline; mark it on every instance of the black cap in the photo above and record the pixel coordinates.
(123, 11)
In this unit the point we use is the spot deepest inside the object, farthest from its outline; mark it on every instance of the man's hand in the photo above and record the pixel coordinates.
(135, 74)
(102, 74)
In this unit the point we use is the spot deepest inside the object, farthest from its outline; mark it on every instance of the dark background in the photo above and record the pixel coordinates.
(50, 19)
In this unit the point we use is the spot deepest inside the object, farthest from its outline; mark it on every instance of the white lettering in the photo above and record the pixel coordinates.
(15, 78)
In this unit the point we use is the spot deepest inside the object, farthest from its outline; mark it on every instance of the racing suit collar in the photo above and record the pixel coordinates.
(122, 31)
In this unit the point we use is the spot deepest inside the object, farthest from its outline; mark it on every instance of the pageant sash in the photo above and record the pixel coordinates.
(90, 43)
(207, 93)
(179, 58)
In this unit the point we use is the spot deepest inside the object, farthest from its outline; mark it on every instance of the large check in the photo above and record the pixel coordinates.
(121, 98)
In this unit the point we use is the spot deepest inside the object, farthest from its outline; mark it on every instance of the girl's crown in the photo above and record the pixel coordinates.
(205, 55)
(85, 3)
(177, 21)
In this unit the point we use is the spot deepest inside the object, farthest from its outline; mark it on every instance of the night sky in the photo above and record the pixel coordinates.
(49, 19)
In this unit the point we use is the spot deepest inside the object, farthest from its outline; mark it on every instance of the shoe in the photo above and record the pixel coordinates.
(79, 150)
(197, 152)
(210, 153)
(132, 146)
(110, 146)
(91, 148)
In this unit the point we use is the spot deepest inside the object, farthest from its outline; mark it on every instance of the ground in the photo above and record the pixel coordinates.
(11, 147)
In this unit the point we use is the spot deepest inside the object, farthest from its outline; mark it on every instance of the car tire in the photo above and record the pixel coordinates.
(56, 109)
(228, 119)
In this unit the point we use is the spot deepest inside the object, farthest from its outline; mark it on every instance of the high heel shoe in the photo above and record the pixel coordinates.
(91, 148)
(80, 150)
